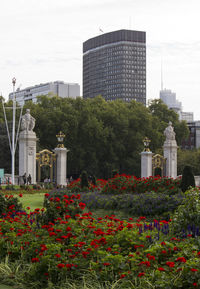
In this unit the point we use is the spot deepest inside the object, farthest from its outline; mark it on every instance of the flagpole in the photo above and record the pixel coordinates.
(13, 132)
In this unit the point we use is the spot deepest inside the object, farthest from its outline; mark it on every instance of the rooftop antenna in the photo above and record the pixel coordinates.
(101, 30)
(161, 74)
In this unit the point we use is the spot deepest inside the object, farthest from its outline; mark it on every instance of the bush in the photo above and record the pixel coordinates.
(186, 219)
(149, 204)
(187, 179)
(10, 188)
(58, 205)
(37, 187)
(84, 180)
(9, 204)
(123, 184)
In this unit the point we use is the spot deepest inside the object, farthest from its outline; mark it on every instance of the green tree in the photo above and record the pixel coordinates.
(162, 116)
(187, 179)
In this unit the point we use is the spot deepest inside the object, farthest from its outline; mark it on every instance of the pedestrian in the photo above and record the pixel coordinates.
(29, 179)
(24, 178)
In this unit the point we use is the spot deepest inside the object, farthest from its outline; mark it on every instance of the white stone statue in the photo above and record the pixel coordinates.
(169, 132)
(27, 122)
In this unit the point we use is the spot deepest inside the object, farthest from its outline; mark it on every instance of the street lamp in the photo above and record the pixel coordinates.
(60, 136)
(146, 142)
(13, 143)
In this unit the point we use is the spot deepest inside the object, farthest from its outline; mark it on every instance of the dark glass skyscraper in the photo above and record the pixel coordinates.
(114, 66)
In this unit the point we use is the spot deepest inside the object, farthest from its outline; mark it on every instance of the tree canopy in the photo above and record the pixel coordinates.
(100, 135)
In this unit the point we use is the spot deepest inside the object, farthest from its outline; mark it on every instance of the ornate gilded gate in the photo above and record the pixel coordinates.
(158, 162)
(46, 165)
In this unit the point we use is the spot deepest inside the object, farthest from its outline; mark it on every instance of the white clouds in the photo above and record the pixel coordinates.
(41, 40)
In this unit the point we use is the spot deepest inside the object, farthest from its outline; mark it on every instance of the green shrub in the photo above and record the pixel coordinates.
(187, 216)
(58, 205)
(149, 204)
(115, 172)
(84, 180)
(10, 188)
(187, 179)
(9, 204)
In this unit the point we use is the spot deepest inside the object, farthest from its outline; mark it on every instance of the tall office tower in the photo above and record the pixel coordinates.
(114, 66)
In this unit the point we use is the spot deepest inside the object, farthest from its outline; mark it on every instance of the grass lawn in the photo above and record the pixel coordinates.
(33, 201)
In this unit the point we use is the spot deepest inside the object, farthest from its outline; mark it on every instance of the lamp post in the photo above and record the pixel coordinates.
(146, 142)
(60, 136)
(13, 132)
(13, 142)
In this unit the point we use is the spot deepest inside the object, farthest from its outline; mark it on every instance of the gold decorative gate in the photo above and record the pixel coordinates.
(158, 162)
(46, 161)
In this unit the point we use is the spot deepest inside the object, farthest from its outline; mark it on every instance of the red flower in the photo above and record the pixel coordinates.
(60, 266)
(195, 284)
(170, 264)
(58, 255)
(122, 276)
(34, 260)
(147, 263)
(181, 259)
(161, 269)
(106, 264)
(141, 274)
(82, 205)
(193, 270)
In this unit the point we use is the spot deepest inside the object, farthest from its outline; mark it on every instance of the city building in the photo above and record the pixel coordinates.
(187, 116)
(114, 66)
(193, 141)
(58, 88)
(169, 98)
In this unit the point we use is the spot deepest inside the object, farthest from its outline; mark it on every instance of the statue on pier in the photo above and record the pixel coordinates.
(27, 122)
(169, 132)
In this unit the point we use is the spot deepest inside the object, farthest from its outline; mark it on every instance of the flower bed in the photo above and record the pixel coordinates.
(62, 243)
(148, 204)
(123, 184)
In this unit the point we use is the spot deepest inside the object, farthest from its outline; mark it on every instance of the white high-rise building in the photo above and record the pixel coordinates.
(59, 88)
(169, 98)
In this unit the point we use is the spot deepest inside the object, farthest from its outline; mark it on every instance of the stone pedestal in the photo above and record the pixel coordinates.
(27, 154)
(170, 153)
(61, 166)
(146, 164)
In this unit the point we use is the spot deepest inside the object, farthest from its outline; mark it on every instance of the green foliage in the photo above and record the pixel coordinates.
(100, 135)
(190, 158)
(84, 180)
(162, 116)
(57, 206)
(188, 213)
(187, 179)
(8, 203)
(114, 173)
(150, 204)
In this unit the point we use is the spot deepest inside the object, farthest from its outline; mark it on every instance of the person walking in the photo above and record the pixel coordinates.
(24, 178)
(29, 180)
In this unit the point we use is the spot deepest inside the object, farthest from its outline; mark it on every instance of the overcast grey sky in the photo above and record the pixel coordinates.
(41, 41)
